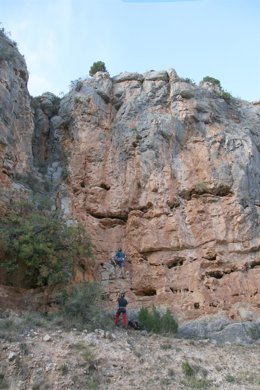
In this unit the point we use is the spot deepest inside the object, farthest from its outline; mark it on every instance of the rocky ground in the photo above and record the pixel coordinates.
(37, 356)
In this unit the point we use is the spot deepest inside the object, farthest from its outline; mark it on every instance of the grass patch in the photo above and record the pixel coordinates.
(166, 346)
(192, 380)
(13, 327)
(64, 368)
(84, 350)
(200, 383)
(187, 369)
(230, 378)
(92, 384)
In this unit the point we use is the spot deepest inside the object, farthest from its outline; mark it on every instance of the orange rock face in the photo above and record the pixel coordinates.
(170, 172)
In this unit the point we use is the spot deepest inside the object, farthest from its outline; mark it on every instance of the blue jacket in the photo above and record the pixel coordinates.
(120, 256)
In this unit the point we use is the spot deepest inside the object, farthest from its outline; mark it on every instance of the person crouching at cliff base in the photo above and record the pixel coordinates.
(122, 303)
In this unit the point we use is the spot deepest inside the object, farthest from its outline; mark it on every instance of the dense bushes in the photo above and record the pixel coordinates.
(155, 322)
(81, 306)
(37, 242)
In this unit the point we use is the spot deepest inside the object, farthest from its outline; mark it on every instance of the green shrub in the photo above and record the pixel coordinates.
(38, 243)
(64, 368)
(187, 369)
(226, 95)
(81, 306)
(56, 103)
(76, 85)
(212, 80)
(98, 66)
(230, 378)
(223, 94)
(154, 322)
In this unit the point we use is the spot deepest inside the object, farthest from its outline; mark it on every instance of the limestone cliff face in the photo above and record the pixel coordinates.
(165, 169)
(170, 172)
(16, 119)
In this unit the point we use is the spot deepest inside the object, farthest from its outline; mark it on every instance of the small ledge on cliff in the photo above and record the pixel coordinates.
(202, 189)
(220, 273)
(108, 218)
(128, 76)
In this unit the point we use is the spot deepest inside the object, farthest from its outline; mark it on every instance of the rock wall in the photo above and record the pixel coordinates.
(16, 120)
(170, 172)
(155, 164)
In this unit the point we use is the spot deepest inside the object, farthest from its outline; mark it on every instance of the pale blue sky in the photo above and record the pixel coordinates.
(61, 39)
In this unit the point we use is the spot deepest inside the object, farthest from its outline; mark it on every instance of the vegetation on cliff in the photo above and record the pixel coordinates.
(38, 243)
(98, 66)
(222, 92)
(7, 46)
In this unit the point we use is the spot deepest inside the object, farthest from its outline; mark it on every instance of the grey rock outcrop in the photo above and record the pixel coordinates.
(16, 118)
(222, 331)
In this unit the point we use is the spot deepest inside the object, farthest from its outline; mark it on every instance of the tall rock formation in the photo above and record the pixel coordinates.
(166, 169)
(16, 119)
(169, 171)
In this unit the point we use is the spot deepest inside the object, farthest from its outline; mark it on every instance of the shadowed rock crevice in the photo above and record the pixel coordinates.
(180, 290)
(175, 262)
(217, 274)
(201, 189)
(97, 215)
(146, 292)
(254, 264)
(104, 186)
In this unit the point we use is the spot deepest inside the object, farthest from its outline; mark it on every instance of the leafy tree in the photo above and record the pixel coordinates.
(40, 244)
(98, 66)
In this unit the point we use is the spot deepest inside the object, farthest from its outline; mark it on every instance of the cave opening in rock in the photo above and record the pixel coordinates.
(105, 186)
(146, 292)
(215, 274)
(176, 261)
